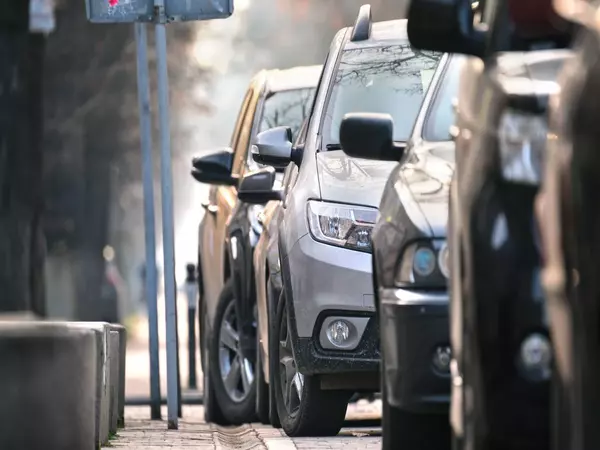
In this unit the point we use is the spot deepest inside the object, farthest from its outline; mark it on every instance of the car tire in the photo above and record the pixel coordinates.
(262, 388)
(311, 411)
(408, 430)
(212, 411)
(234, 393)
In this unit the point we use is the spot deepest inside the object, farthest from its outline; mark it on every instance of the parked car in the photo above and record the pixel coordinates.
(410, 262)
(567, 213)
(227, 235)
(502, 356)
(323, 339)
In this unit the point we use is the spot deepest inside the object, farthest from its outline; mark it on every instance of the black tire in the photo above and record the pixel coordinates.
(212, 411)
(262, 388)
(412, 431)
(235, 411)
(319, 413)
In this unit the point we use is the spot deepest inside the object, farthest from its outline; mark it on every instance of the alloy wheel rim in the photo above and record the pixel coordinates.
(292, 382)
(236, 371)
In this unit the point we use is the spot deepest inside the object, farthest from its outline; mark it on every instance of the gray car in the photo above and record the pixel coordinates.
(324, 336)
(227, 235)
(410, 263)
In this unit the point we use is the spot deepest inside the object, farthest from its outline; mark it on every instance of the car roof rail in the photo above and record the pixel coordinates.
(362, 26)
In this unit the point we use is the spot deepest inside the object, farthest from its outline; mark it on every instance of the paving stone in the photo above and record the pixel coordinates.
(142, 433)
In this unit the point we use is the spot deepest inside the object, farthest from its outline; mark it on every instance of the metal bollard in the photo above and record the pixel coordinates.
(121, 376)
(192, 348)
(191, 289)
(47, 386)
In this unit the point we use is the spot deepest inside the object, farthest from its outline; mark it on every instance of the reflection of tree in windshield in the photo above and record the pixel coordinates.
(390, 79)
(360, 65)
(287, 108)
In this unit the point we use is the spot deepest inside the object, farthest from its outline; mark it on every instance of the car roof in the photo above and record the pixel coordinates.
(299, 77)
(382, 33)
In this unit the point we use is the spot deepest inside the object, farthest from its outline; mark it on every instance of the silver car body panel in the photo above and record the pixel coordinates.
(212, 240)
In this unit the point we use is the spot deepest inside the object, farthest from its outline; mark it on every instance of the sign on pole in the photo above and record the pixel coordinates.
(41, 16)
(161, 12)
(128, 11)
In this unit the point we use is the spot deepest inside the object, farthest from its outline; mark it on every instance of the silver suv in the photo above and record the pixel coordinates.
(325, 332)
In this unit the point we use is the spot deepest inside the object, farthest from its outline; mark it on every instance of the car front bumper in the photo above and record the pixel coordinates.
(323, 282)
(414, 330)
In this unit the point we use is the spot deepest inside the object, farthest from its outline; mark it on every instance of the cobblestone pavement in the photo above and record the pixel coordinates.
(141, 433)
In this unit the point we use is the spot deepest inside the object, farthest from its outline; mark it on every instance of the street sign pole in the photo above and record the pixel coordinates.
(160, 12)
(166, 176)
(149, 216)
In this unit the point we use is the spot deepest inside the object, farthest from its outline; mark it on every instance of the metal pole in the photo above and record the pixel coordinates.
(167, 218)
(149, 224)
(192, 347)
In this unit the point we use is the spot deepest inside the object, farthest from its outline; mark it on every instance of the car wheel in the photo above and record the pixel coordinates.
(407, 430)
(233, 374)
(262, 388)
(303, 408)
(212, 412)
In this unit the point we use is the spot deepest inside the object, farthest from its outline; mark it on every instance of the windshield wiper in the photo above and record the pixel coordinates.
(333, 146)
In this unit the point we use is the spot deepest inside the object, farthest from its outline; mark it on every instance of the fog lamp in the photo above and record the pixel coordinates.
(338, 332)
(441, 359)
(535, 357)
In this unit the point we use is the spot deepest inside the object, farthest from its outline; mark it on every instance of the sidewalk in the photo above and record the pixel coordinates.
(142, 433)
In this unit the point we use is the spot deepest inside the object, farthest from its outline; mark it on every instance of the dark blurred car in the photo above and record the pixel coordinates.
(410, 263)
(569, 221)
(227, 235)
(502, 355)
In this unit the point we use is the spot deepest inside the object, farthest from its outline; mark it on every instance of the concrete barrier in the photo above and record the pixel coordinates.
(102, 418)
(113, 355)
(102, 387)
(122, 373)
(47, 386)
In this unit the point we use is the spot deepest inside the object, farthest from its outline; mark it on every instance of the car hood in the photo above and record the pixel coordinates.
(423, 186)
(351, 180)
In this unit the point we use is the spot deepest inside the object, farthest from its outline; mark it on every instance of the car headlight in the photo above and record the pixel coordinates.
(522, 142)
(424, 263)
(342, 225)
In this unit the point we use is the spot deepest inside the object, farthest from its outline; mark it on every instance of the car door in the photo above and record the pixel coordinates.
(226, 197)
(222, 199)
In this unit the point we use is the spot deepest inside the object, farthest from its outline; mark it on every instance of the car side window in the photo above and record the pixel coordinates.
(240, 119)
(301, 138)
(291, 171)
(243, 139)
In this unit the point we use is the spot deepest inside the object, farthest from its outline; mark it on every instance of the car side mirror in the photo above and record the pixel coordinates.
(445, 26)
(273, 147)
(215, 168)
(257, 187)
(369, 136)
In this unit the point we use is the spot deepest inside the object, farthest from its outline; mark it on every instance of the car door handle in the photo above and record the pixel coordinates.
(210, 207)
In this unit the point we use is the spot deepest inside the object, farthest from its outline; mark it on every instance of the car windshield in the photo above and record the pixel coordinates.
(286, 108)
(389, 79)
(441, 115)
